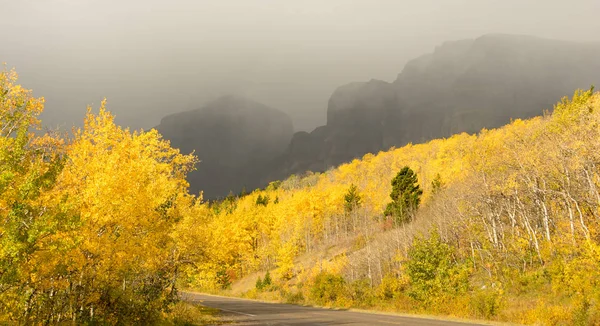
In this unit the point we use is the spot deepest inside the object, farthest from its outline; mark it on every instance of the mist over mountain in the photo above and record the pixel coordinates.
(152, 58)
(234, 138)
(463, 86)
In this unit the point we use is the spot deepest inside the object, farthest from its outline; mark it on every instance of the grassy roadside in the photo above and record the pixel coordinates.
(374, 311)
(191, 314)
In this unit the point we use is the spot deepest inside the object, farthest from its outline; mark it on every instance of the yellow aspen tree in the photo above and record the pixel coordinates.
(31, 214)
(127, 188)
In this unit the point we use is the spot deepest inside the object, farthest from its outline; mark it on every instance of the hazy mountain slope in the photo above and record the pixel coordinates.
(233, 137)
(463, 86)
(470, 84)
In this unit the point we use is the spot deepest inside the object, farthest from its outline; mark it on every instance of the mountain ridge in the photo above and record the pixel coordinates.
(462, 86)
(233, 136)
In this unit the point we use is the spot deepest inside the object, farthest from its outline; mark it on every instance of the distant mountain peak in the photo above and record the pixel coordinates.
(232, 136)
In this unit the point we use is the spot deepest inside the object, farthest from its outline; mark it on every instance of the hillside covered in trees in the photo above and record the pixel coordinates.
(500, 225)
(97, 226)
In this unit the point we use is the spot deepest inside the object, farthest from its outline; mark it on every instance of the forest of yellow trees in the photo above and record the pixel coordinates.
(87, 220)
(97, 225)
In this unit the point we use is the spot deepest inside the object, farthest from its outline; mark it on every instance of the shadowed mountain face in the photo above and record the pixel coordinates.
(463, 86)
(472, 84)
(233, 137)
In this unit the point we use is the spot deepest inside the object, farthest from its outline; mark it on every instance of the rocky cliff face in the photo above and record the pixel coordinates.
(463, 86)
(471, 84)
(233, 137)
(361, 118)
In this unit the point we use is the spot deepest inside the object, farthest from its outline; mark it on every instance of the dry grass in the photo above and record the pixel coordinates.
(188, 314)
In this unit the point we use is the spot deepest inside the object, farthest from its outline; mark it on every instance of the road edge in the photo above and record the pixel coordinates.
(366, 311)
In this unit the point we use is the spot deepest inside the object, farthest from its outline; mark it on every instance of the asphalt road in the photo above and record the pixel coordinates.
(250, 312)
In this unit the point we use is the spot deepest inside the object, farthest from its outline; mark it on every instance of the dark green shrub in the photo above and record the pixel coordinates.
(362, 293)
(327, 288)
(267, 282)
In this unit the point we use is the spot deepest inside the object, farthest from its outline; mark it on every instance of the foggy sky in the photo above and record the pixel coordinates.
(151, 58)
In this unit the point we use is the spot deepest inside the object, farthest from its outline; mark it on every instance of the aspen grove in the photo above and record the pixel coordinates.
(97, 225)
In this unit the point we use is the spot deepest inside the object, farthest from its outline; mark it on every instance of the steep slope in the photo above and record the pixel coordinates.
(462, 86)
(233, 137)
(510, 233)
(361, 119)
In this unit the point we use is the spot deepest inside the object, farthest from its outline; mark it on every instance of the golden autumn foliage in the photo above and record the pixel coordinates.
(516, 208)
(86, 226)
(98, 226)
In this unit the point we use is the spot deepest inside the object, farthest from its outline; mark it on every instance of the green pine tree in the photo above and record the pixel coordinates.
(352, 199)
(262, 200)
(267, 281)
(405, 195)
(259, 284)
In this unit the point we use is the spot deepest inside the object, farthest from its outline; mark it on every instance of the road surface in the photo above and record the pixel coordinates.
(250, 312)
